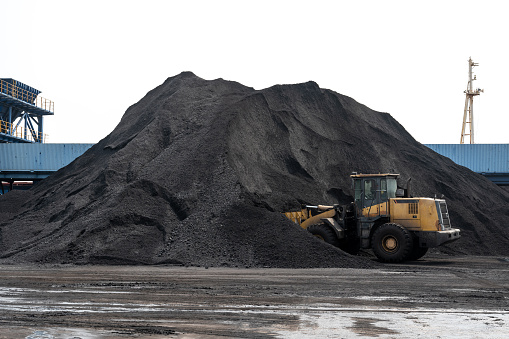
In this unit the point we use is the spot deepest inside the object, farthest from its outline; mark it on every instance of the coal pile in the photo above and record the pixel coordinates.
(197, 173)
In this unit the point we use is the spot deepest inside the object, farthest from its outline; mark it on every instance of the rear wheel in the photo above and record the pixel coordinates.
(392, 243)
(325, 233)
(418, 253)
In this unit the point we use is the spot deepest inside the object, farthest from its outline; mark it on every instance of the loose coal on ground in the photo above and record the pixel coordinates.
(197, 173)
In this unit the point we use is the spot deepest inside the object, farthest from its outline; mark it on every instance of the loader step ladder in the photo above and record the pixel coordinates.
(446, 222)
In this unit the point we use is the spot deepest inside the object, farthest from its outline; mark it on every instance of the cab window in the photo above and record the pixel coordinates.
(383, 190)
(369, 190)
(392, 186)
(358, 191)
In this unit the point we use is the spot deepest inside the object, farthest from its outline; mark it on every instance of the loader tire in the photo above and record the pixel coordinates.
(392, 243)
(325, 233)
(350, 245)
(417, 251)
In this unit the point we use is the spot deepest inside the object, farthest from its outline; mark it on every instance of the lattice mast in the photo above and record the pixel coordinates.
(468, 113)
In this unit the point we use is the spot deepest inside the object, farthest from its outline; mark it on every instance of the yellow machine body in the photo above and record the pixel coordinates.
(415, 214)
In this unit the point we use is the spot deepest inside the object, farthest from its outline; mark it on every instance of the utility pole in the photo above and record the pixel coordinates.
(469, 105)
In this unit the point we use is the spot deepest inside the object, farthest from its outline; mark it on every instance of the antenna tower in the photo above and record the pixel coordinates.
(468, 113)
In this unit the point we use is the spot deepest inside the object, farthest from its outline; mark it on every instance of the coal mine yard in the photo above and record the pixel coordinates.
(172, 227)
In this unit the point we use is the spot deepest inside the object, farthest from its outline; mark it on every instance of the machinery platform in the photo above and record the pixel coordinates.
(21, 112)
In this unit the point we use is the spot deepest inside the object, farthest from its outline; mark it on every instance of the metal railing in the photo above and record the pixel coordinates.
(22, 133)
(26, 96)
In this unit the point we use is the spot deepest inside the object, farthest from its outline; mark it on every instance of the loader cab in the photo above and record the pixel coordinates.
(373, 189)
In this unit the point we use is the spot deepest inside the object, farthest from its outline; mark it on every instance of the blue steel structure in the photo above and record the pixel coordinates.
(490, 160)
(21, 112)
(27, 162)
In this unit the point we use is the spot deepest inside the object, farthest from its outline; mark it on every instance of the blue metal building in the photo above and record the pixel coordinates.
(490, 160)
(27, 162)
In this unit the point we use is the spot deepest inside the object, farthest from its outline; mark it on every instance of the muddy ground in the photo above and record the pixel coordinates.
(438, 297)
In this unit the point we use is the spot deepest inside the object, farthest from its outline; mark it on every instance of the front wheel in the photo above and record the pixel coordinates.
(325, 233)
(392, 243)
(350, 245)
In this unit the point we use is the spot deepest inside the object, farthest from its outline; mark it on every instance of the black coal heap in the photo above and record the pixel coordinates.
(197, 173)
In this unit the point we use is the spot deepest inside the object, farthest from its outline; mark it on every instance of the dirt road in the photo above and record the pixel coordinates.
(457, 297)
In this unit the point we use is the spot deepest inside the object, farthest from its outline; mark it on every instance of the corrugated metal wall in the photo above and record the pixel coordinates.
(480, 158)
(39, 157)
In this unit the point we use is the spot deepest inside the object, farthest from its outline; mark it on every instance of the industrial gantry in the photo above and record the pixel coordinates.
(21, 112)
(468, 113)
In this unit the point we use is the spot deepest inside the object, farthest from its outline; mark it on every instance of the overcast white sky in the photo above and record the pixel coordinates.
(96, 58)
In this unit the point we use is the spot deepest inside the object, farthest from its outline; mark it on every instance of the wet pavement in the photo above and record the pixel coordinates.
(455, 297)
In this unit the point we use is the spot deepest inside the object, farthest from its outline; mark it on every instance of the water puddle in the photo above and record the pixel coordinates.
(401, 323)
(67, 333)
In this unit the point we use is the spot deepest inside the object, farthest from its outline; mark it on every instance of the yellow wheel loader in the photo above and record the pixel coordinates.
(383, 217)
